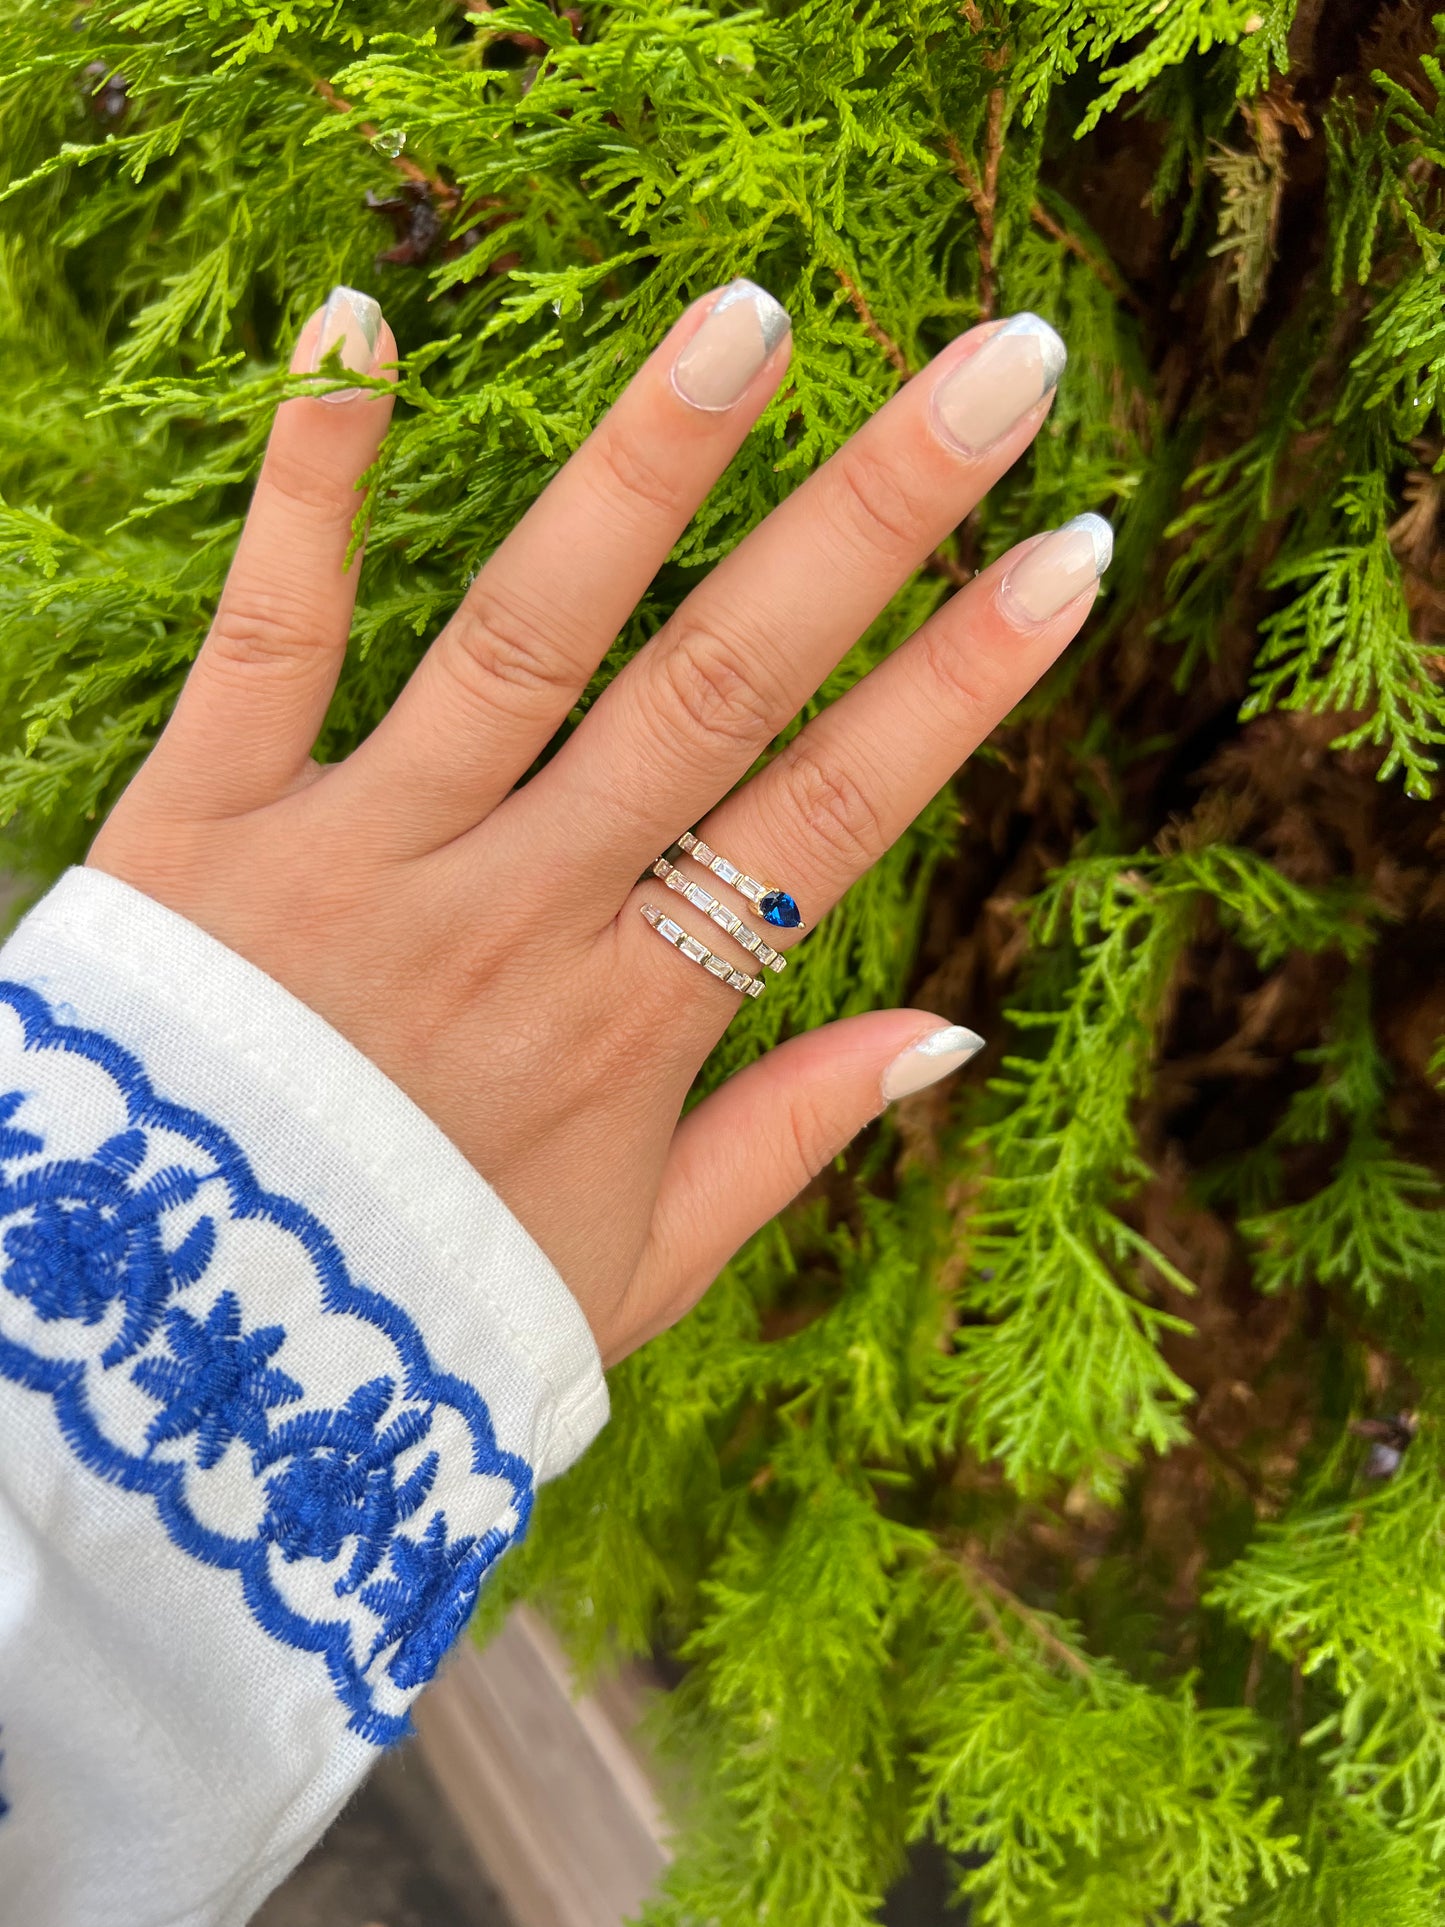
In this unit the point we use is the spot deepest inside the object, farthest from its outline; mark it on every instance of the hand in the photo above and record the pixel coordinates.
(480, 941)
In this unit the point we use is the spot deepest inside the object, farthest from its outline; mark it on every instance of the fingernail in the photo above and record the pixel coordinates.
(1062, 566)
(352, 320)
(981, 399)
(929, 1059)
(743, 327)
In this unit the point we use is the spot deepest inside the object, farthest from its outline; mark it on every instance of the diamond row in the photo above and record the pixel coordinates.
(739, 880)
(718, 967)
(729, 924)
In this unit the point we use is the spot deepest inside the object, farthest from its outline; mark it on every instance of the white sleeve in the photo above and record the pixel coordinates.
(279, 1375)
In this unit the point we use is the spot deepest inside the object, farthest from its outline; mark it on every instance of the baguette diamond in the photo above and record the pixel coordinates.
(776, 907)
(724, 918)
(697, 952)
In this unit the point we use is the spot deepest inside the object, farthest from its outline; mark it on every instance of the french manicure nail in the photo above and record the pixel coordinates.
(1067, 561)
(351, 320)
(743, 327)
(929, 1059)
(980, 400)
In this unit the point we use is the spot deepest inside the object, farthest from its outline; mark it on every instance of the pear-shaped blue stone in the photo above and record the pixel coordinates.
(779, 908)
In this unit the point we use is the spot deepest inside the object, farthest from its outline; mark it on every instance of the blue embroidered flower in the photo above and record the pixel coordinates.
(341, 1481)
(86, 1238)
(218, 1383)
(79, 1236)
(430, 1599)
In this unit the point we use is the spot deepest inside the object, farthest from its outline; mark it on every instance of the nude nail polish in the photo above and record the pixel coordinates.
(931, 1058)
(351, 320)
(743, 327)
(978, 402)
(1047, 579)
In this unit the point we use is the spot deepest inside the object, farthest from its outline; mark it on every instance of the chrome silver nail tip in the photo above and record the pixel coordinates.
(1100, 534)
(773, 317)
(364, 311)
(1051, 345)
(943, 1043)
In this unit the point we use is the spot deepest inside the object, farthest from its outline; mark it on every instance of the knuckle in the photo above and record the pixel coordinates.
(873, 501)
(713, 685)
(835, 807)
(310, 490)
(962, 688)
(494, 643)
(261, 629)
(628, 465)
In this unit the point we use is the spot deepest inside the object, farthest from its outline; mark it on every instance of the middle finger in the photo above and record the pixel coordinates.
(747, 648)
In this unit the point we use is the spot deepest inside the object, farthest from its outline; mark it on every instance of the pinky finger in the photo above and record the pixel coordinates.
(748, 1151)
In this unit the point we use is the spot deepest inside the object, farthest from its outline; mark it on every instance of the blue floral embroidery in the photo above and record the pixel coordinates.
(89, 1238)
(339, 1482)
(218, 1385)
(431, 1598)
(85, 1241)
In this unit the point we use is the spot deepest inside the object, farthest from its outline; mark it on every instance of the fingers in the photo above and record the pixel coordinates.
(746, 1152)
(753, 641)
(502, 676)
(256, 696)
(850, 783)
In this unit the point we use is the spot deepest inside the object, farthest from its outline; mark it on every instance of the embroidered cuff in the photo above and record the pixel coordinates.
(264, 1294)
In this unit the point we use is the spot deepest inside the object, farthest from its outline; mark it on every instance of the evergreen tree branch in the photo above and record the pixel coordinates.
(870, 324)
(987, 1586)
(787, 1472)
(1378, 1226)
(1095, 263)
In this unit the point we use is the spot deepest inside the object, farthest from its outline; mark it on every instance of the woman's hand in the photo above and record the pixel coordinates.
(482, 942)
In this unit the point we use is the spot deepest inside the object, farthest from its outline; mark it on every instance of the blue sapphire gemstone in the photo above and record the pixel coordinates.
(779, 908)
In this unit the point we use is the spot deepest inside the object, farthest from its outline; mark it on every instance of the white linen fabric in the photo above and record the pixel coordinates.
(279, 1375)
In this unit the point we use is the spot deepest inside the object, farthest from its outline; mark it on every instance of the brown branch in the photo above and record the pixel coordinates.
(974, 1574)
(1113, 281)
(942, 563)
(982, 195)
(865, 314)
(993, 1625)
(982, 189)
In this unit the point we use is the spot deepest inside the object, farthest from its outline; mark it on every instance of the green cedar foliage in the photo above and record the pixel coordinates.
(1042, 1484)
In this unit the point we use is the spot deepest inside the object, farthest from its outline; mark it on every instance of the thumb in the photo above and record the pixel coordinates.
(753, 1145)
